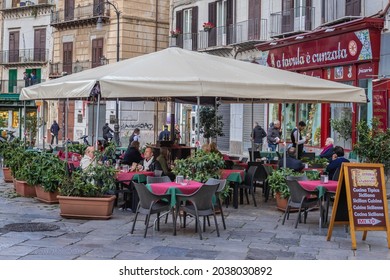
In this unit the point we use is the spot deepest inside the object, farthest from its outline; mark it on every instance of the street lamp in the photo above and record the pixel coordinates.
(99, 25)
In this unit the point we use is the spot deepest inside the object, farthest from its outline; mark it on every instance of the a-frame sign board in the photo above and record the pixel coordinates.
(361, 200)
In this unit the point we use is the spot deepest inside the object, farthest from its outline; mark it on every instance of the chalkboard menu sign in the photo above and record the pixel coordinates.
(361, 200)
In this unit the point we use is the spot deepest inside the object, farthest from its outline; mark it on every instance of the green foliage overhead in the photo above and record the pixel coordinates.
(210, 123)
(373, 143)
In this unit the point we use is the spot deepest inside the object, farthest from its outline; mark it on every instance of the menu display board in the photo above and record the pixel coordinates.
(361, 200)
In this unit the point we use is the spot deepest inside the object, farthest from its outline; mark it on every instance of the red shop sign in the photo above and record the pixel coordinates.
(313, 73)
(379, 104)
(367, 70)
(339, 49)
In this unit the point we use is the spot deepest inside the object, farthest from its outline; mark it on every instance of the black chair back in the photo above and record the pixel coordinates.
(162, 179)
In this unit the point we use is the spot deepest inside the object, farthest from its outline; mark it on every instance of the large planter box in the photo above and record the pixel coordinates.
(86, 207)
(46, 197)
(24, 189)
(7, 175)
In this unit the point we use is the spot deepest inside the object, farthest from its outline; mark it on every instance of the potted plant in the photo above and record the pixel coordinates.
(25, 175)
(201, 167)
(207, 26)
(318, 163)
(8, 151)
(277, 184)
(88, 193)
(175, 33)
(52, 172)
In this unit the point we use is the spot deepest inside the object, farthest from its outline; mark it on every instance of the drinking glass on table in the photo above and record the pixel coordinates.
(125, 168)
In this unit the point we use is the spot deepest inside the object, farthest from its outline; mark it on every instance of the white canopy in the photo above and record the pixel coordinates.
(179, 73)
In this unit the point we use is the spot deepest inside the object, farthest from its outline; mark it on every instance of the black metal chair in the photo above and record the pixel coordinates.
(249, 183)
(244, 160)
(197, 205)
(229, 164)
(149, 204)
(300, 199)
(256, 154)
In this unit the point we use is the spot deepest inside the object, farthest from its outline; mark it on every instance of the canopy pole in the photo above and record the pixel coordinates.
(116, 126)
(24, 121)
(252, 140)
(93, 119)
(43, 125)
(198, 117)
(156, 121)
(284, 134)
(97, 121)
(66, 133)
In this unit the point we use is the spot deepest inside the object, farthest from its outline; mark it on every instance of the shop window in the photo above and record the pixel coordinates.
(3, 118)
(310, 113)
(343, 112)
(15, 119)
(290, 119)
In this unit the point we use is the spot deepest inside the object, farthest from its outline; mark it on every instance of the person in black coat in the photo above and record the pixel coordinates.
(149, 163)
(132, 154)
(336, 162)
(291, 161)
(257, 135)
(54, 129)
(165, 134)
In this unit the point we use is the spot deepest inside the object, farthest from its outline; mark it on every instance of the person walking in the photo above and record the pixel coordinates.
(134, 136)
(54, 129)
(257, 135)
(297, 139)
(107, 132)
(274, 135)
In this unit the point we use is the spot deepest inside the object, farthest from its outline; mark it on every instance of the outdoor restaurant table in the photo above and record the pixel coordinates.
(125, 178)
(173, 188)
(236, 176)
(268, 155)
(322, 190)
(139, 176)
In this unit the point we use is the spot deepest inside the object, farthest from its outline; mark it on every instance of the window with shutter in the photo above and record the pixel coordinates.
(352, 7)
(14, 46)
(39, 44)
(67, 56)
(97, 52)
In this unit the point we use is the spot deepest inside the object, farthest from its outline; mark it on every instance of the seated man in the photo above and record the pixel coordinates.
(149, 163)
(291, 161)
(336, 162)
(88, 158)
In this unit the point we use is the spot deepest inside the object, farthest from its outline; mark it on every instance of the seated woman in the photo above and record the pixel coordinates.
(163, 160)
(336, 162)
(327, 152)
(132, 154)
(88, 158)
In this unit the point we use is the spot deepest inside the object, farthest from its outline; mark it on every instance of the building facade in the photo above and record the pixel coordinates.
(335, 40)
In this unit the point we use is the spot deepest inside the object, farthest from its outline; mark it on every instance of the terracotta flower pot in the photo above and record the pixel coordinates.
(46, 197)
(281, 203)
(86, 207)
(7, 175)
(24, 189)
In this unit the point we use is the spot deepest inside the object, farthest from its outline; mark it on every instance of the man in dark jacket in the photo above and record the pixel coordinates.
(274, 135)
(336, 162)
(297, 139)
(165, 134)
(257, 135)
(54, 132)
(107, 132)
(149, 163)
(291, 161)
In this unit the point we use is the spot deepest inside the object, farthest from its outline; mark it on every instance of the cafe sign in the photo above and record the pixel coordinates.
(349, 47)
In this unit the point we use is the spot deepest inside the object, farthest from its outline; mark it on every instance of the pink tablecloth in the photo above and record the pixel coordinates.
(127, 176)
(226, 172)
(331, 186)
(75, 163)
(161, 188)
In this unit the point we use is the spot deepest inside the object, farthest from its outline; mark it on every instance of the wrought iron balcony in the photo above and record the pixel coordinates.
(15, 86)
(249, 31)
(297, 20)
(26, 8)
(58, 69)
(79, 15)
(24, 56)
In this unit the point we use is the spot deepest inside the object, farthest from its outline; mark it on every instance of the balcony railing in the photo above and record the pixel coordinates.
(15, 86)
(239, 33)
(295, 20)
(60, 69)
(36, 55)
(248, 31)
(79, 13)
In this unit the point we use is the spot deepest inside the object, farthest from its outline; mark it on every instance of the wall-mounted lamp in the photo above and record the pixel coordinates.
(329, 30)
(273, 43)
(99, 23)
(299, 37)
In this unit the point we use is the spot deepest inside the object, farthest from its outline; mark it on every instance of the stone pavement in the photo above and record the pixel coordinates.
(252, 233)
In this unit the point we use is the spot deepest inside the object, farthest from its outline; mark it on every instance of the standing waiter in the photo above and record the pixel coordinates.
(297, 139)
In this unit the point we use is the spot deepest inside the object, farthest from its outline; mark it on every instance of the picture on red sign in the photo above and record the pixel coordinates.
(338, 73)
